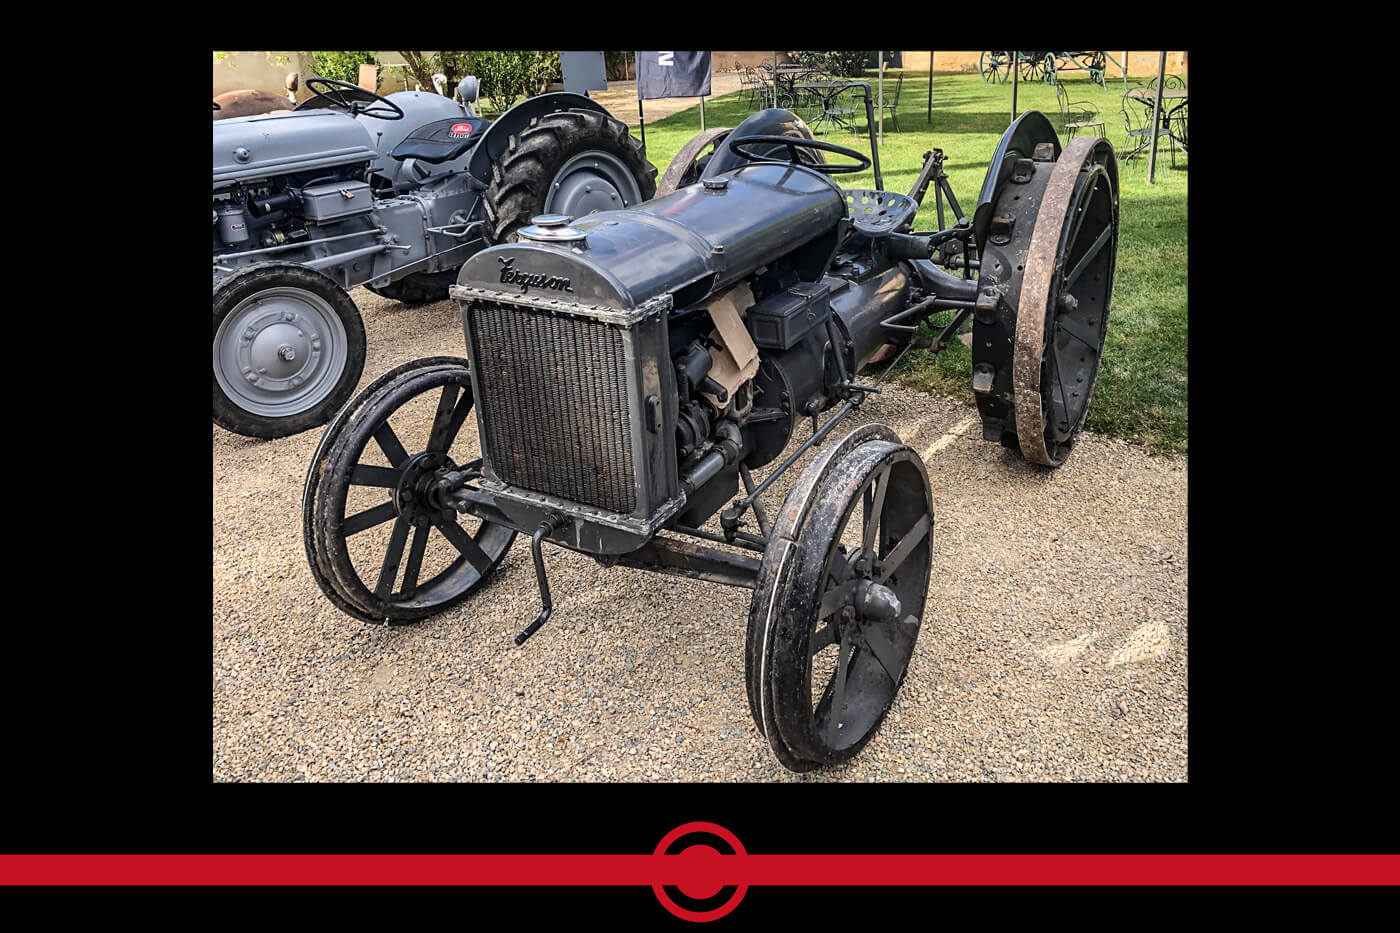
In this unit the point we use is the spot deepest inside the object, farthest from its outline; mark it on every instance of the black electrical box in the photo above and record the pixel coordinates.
(779, 321)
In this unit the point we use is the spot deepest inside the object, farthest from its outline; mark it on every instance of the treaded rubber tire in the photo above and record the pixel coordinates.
(231, 290)
(420, 288)
(521, 177)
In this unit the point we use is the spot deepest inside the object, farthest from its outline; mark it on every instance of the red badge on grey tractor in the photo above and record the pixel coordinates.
(460, 129)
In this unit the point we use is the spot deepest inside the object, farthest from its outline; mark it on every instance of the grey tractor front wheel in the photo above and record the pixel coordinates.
(571, 162)
(288, 350)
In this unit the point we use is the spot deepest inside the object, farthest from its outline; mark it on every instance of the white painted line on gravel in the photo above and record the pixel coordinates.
(951, 436)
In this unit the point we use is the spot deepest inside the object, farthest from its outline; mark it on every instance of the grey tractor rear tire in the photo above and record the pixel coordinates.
(521, 177)
(420, 288)
(323, 318)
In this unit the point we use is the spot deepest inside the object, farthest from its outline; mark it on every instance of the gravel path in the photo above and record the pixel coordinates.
(1054, 648)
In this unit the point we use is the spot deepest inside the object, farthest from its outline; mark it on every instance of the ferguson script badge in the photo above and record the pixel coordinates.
(525, 279)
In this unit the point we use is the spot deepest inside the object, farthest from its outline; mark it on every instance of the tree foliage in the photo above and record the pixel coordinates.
(845, 63)
(345, 66)
(508, 76)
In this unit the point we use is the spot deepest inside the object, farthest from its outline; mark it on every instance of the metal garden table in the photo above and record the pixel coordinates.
(1147, 98)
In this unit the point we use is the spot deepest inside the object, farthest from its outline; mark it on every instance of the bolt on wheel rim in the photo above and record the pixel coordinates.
(280, 352)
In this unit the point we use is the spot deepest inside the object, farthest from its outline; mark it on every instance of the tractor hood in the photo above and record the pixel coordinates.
(688, 244)
(303, 140)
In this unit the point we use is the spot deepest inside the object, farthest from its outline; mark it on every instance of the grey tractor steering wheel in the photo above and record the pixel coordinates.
(334, 95)
(792, 144)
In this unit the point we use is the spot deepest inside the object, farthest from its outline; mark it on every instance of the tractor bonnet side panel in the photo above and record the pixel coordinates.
(267, 146)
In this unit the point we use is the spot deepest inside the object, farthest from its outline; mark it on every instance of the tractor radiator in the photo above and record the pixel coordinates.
(554, 412)
(569, 405)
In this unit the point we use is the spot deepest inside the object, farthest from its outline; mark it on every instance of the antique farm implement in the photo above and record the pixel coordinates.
(629, 368)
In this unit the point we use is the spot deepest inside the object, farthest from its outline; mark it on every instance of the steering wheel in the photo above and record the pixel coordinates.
(335, 97)
(792, 144)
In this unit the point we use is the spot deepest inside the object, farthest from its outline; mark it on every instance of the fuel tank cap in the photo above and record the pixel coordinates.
(552, 228)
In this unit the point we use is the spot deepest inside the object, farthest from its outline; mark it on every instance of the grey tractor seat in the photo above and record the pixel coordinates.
(876, 213)
(441, 141)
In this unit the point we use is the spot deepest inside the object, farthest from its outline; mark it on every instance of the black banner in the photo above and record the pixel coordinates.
(672, 74)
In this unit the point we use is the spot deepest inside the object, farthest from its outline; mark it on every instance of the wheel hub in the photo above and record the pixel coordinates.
(591, 181)
(417, 498)
(279, 348)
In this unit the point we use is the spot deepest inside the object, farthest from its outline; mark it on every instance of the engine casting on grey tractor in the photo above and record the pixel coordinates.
(628, 369)
(393, 193)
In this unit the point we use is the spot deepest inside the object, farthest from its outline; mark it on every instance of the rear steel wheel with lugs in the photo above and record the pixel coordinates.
(839, 600)
(382, 543)
(570, 162)
(1046, 282)
(1063, 316)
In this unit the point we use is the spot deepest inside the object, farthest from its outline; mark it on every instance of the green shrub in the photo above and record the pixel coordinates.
(345, 66)
(508, 76)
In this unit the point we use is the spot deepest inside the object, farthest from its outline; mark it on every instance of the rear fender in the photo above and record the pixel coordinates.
(770, 122)
(1019, 141)
(497, 136)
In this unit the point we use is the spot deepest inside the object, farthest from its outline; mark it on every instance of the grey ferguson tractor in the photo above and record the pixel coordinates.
(393, 193)
(628, 369)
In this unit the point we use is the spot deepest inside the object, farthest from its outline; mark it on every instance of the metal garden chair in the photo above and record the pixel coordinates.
(893, 108)
(1137, 121)
(1076, 115)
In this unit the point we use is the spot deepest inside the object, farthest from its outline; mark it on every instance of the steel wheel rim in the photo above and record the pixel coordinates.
(289, 339)
(591, 181)
(873, 655)
(384, 595)
(1064, 305)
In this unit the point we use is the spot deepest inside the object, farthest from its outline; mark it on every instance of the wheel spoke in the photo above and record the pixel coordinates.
(1079, 332)
(463, 542)
(837, 597)
(1080, 216)
(367, 475)
(838, 694)
(389, 443)
(880, 638)
(390, 568)
(874, 509)
(442, 421)
(1064, 393)
(826, 635)
(368, 519)
(1087, 258)
(903, 549)
(415, 562)
(459, 415)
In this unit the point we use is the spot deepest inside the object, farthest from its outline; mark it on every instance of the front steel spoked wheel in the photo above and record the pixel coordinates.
(383, 540)
(846, 607)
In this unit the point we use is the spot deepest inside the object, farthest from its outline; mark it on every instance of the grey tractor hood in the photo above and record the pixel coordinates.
(296, 141)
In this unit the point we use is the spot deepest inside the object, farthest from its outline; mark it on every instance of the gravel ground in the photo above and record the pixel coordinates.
(1054, 647)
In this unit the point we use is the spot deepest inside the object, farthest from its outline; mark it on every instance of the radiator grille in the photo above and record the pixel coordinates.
(554, 404)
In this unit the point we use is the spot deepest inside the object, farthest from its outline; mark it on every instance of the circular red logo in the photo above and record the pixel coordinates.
(702, 870)
(460, 129)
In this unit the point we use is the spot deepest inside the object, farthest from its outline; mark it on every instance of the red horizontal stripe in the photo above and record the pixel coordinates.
(574, 869)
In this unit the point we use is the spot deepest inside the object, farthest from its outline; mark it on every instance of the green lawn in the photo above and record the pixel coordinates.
(1141, 392)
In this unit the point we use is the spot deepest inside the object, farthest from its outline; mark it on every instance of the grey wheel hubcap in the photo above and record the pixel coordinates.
(591, 181)
(280, 352)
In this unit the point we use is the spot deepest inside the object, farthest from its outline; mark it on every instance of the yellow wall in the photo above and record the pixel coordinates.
(1140, 64)
(260, 71)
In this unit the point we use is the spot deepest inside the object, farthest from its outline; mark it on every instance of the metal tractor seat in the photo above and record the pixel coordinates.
(876, 213)
(441, 140)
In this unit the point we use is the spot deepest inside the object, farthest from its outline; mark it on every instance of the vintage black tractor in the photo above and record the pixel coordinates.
(628, 369)
(393, 193)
